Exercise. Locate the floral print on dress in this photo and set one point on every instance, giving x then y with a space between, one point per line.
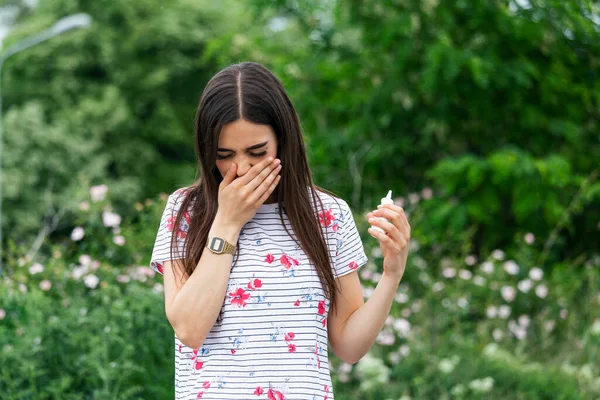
238 297
184 225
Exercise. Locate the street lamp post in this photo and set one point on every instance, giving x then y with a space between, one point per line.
65 24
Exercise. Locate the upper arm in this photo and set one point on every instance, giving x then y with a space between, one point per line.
349 299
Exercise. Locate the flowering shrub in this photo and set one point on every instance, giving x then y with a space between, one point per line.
85 319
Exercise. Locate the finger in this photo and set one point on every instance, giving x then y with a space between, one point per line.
264 186
270 190
398 219
399 210
254 171
384 240
391 230
229 176
264 174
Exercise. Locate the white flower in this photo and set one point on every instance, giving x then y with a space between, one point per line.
511 267
85 259
402 326
122 278
524 321
386 337
498 255
36 269
595 329
563 313
498 335
401 298
541 291
504 311
438 286
2 314
508 293
479 280
45 285
98 192
487 267
79 271
447 365
407 312
549 325
492 312
110 219
525 285
413 198
77 234
529 238
366 274
520 333
462 303
470 260
91 281
482 385
119 240
84 206
22 288
465 274
399 201
449 272
404 350
536 274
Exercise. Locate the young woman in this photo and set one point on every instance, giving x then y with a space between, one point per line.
260 265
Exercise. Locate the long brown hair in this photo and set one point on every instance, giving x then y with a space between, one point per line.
250 91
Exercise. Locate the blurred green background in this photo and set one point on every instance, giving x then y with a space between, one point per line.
481 116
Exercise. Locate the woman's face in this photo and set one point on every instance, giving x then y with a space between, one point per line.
245 144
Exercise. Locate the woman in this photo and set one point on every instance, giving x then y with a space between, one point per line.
260 265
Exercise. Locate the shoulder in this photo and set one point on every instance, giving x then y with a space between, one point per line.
331 203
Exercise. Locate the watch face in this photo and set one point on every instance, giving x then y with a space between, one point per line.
217 244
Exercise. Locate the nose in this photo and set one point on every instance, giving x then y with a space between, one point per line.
243 166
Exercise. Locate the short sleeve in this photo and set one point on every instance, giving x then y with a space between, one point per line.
350 253
162 245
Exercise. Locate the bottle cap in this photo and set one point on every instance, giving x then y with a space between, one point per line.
388 199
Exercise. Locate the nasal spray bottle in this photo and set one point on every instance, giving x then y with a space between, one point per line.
385 200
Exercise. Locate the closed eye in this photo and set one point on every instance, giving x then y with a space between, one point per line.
219 157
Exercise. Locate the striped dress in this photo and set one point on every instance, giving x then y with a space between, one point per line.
270 340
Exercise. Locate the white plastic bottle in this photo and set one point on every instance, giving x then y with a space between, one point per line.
385 200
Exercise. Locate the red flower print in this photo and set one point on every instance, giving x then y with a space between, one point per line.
187 218
180 348
269 258
199 365
159 267
324 322
275 395
326 217
239 297
335 227
195 354
326 388
353 265
259 391
255 284
322 307
206 385
297 303
170 223
232 351
291 347
289 336
200 394
288 261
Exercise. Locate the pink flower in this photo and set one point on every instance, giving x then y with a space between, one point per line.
259 391
170 223
159 267
269 259
289 336
335 227
353 265
288 261
326 217
275 395
98 192
45 285
77 234
206 385
239 297
321 307
297 303
199 365
324 322
110 219
291 348
200 394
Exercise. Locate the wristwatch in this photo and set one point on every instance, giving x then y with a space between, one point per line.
220 246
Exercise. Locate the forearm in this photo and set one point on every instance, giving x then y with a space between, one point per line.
196 306
361 329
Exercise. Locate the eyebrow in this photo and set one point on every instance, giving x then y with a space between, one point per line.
256 146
